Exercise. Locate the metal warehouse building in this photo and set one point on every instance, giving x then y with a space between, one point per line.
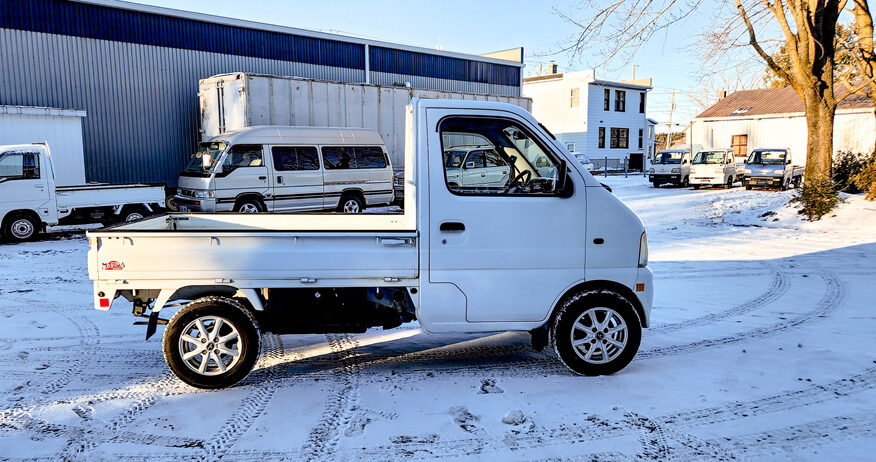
134 70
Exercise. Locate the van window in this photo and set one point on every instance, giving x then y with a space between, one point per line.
20 165
370 157
340 157
295 158
243 155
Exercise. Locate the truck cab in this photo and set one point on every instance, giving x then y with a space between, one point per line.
772 168
715 167
548 251
671 166
282 169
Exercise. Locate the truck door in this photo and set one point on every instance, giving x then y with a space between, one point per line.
297 178
24 182
243 172
511 247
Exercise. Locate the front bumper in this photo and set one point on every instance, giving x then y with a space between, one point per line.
664 177
189 204
765 181
707 180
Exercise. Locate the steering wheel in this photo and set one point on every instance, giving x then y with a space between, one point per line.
518 181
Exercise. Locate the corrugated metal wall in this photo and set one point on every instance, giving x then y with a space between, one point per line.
137 73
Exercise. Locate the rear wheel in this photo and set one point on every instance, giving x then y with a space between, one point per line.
134 213
351 204
748 188
20 227
684 182
729 182
596 333
213 342
696 186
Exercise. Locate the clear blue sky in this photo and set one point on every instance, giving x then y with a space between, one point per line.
475 27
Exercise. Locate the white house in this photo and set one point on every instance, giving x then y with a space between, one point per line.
773 118
600 118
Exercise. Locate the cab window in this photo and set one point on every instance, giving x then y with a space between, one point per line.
19 166
510 159
243 155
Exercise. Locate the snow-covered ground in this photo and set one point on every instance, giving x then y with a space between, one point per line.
763 347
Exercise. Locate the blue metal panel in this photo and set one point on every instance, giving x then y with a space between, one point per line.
105 23
407 62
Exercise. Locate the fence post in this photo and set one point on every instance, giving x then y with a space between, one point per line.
626 167
605 167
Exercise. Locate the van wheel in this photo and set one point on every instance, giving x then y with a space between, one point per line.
351 204
596 333
248 206
20 227
134 213
213 342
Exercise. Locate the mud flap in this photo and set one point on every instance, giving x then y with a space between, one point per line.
539 337
151 324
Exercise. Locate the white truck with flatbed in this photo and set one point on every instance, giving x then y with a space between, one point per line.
772 169
550 251
30 200
715 167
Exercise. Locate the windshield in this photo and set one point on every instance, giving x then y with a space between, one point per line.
709 157
453 159
196 164
767 158
665 157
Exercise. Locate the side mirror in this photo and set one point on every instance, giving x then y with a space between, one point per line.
787 161
469 165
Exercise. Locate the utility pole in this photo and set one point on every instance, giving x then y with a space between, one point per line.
634 72
671 108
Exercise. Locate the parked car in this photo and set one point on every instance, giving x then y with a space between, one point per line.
672 166
771 168
475 165
30 200
715 168
278 169
559 257
584 161
398 188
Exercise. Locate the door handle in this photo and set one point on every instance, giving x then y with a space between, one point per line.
280 179
452 227
263 178
39 186
483 175
394 242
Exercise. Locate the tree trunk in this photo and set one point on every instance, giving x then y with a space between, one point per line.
819 143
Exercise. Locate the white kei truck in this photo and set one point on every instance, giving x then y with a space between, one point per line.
30 200
715 167
672 166
556 255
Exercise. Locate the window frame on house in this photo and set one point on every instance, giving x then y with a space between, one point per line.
575 97
606 99
601 143
642 103
641 135
570 147
620 101
616 141
734 145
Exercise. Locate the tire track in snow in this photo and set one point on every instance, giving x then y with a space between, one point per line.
778 288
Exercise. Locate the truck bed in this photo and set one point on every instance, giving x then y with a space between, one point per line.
100 195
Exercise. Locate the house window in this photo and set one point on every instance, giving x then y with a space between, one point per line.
570 147
620 138
739 143
575 97
620 101
642 103
606 100
601 137
641 133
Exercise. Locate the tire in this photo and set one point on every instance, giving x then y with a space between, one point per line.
611 310
696 186
729 184
351 204
655 184
21 227
798 181
249 206
208 373
748 188
134 213
785 185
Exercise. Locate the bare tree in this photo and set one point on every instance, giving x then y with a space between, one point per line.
806 29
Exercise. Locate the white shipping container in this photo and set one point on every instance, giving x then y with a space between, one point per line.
234 101
61 128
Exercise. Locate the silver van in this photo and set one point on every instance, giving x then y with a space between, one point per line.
282 169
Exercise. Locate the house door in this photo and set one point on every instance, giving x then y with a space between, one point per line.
637 161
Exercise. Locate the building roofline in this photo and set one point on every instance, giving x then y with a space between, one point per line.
173 12
41 111
612 83
778 115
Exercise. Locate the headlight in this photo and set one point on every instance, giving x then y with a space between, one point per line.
651 171
643 250
676 170
747 171
203 194
779 172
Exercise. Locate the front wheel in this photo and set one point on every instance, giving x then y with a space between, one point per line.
213 342
20 227
596 333
248 206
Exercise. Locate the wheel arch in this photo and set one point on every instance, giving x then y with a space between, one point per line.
28 212
607 285
251 195
193 292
